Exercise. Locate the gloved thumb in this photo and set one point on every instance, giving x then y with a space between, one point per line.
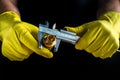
80 31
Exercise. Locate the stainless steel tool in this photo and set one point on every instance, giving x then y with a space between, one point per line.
61 35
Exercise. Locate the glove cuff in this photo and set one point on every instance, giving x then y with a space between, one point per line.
114 18
9 18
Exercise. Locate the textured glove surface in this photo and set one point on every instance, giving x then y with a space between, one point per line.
19 39
100 37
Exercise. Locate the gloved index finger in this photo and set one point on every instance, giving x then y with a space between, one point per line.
79 30
29 41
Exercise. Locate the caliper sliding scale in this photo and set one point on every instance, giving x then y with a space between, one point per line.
61 35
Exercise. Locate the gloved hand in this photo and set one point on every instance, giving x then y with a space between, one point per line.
100 37
19 39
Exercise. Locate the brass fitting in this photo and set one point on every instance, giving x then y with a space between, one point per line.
49 41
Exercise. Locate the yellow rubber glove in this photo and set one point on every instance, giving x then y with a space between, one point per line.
100 37
19 39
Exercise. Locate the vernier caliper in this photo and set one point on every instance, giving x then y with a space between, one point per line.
61 35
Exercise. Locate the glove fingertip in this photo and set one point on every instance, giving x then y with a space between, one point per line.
50 55
68 28
45 53
77 46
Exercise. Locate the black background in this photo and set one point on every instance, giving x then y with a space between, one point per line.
66 12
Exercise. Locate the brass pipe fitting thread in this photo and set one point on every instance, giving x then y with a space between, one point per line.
49 41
